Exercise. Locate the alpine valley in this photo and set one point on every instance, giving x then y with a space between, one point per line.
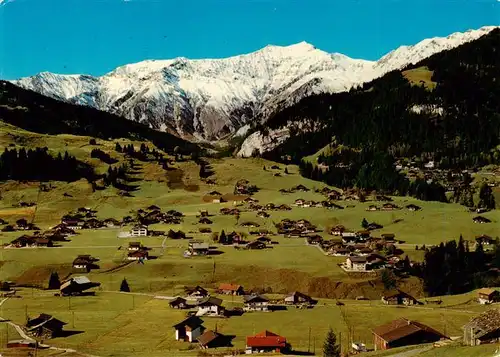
214 99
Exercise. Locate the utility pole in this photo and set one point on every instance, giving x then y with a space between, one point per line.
72 319
309 342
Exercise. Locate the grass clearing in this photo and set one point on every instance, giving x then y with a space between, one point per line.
420 76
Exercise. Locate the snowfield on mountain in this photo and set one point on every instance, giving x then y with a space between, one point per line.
210 99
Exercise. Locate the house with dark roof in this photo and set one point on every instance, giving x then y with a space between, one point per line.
481 219
404 332
487 296
189 329
298 298
178 303
485 240
197 292
412 207
356 263
210 339
84 263
77 286
138 255
210 306
44 326
256 302
483 329
266 342
230 289
398 297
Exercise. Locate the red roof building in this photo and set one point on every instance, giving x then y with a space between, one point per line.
266 341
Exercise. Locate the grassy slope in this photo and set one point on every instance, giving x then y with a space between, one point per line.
419 76
110 317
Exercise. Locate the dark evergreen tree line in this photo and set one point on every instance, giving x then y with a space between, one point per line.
104 157
38 165
452 268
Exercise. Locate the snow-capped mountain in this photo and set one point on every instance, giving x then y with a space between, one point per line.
208 99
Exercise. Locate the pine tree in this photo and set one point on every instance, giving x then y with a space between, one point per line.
286 170
124 286
486 198
330 347
388 279
222 237
364 223
54 282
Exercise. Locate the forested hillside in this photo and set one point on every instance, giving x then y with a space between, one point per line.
444 109
35 112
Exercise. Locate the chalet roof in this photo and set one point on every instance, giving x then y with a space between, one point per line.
134 244
486 291
207 337
209 300
487 322
190 290
400 328
356 259
229 287
199 245
47 321
266 339
138 253
192 321
394 293
178 300
139 226
255 298
301 295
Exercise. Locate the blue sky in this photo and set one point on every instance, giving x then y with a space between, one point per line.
95 36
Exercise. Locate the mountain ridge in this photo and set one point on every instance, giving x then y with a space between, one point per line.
208 99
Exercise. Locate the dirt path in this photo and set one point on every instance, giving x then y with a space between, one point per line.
21 333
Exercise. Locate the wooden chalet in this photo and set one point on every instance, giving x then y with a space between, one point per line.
178 303
43 242
189 329
357 263
389 207
398 297
138 255
256 303
198 247
266 342
139 231
412 207
44 326
205 220
485 240
403 332
298 298
487 296
231 289
210 306
483 329
23 241
337 230
255 244
210 339
481 219
197 292
84 263
77 286
134 246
